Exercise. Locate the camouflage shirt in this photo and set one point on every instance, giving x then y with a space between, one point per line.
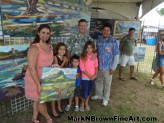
76 43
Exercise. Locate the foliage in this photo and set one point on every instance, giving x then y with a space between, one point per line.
161 11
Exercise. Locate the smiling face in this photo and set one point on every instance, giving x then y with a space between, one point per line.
82 28
44 34
89 49
62 51
75 63
131 33
106 32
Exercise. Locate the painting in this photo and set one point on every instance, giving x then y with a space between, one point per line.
139 53
13 65
21 18
96 26
57 83
121 28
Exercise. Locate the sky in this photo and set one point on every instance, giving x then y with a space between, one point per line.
153 18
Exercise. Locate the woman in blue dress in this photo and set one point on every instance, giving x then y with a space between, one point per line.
161 61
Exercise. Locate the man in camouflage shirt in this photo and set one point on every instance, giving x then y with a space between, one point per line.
127 44
75 44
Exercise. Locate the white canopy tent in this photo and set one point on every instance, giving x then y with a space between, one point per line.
122 9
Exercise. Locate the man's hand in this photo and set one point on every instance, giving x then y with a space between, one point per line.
111 72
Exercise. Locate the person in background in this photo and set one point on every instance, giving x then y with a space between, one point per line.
75 64
108 57
89 68
160 49
61 60
39 55
127 44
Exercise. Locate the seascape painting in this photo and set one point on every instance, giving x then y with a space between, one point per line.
13 65
121 28
21 18
57 83
139 53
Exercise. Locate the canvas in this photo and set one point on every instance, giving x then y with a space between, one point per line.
121 28
13 65
139 53
57 83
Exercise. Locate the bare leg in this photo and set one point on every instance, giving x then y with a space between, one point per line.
70 101
43 111
120 71
59 106
76 101
162 74
54 109
156 74
87 100
131 71
35 110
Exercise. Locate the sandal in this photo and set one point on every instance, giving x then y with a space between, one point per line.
87 108
49 120
81 108
36 121
133 78
122 79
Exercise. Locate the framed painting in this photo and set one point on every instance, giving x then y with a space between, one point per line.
139 53
57 83
121 28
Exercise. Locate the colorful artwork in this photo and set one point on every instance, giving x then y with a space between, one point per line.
121 28
57 83
22 17
96 26
139 53
13 65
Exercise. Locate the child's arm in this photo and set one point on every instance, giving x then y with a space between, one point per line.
64 61
55 62
82 68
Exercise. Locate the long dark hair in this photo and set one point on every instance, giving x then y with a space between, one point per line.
37 38
57 47
84 53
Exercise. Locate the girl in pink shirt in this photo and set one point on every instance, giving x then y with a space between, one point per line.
89 68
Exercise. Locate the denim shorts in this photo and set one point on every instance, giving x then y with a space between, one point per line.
86 86
77 92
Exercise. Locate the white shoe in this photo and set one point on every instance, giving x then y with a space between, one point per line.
96 97
152 83
105 102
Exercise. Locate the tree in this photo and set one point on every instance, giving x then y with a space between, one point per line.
161 11
31 7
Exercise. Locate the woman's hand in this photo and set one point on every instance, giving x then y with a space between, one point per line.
39 87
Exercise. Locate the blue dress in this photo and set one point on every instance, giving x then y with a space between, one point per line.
161 57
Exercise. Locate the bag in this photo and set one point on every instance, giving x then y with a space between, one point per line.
155 63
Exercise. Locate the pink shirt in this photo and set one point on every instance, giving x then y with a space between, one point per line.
89 65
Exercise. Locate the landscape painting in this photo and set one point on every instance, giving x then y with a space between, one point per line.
96 26
13 65
139 53
57 83
121 28
21 18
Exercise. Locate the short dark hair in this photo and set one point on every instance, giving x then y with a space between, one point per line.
107 25
81 20
75 57
130 29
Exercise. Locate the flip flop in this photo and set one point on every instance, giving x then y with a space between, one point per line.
133 78
122 79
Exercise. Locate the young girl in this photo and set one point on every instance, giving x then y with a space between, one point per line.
61 60
89 68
